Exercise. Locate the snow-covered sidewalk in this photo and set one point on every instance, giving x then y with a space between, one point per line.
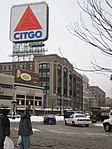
37 119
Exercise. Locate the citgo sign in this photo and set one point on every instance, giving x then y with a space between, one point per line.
29 22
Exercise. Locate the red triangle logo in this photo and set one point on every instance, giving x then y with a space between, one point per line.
28 21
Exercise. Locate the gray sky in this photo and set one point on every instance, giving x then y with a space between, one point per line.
61 13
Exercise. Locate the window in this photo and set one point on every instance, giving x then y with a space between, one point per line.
44 66
22 102
58 102
36 97
6 86
4 68
6 97
20 96
48 74
35 103
24 66
30 66
31 102
29 97
40 66
44 74
44 83
40 103
20 66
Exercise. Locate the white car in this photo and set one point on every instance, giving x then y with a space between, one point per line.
107 123
78 119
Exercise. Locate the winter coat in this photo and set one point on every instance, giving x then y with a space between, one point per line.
25 126
4 126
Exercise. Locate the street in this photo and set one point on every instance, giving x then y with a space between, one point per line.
60 136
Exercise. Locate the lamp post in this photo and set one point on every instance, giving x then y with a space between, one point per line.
14 103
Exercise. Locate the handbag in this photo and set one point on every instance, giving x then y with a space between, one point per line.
19 142
8 143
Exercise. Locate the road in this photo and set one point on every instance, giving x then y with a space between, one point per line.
60 136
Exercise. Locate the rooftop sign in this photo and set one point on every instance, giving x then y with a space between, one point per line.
29 22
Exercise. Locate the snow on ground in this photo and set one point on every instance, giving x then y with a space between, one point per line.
58 118
100 124
37 119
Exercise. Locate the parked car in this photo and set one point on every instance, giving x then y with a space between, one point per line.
70 112
78 119
49 119
107 123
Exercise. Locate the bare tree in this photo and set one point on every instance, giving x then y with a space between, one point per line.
99 31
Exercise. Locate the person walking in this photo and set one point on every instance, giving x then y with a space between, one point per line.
4 127
25 129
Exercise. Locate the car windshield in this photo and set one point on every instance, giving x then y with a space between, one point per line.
81 115
49 116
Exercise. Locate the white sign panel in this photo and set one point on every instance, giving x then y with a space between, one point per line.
29 22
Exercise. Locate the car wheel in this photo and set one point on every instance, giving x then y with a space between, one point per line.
87 125
73 123
66 123
107 127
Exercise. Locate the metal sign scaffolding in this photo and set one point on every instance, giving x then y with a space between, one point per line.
26 51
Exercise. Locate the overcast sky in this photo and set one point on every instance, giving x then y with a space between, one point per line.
61 13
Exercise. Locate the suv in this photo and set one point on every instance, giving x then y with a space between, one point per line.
107 124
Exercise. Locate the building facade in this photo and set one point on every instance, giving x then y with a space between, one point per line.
29 96
97 97
63 85
108 102
21 94
6 90
86 106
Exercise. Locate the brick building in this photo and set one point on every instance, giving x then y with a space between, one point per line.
97 97
63 85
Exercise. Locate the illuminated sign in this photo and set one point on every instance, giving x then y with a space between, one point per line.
29 22
26 77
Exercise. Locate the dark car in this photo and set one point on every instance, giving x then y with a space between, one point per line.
49 119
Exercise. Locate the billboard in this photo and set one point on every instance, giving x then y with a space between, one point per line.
26 77
29 22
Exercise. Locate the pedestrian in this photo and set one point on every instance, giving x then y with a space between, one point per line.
4 126
25 129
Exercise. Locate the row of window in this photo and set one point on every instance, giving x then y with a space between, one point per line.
29 102
65 102
6 86
44 66
22 66
44 74
28 97
6 97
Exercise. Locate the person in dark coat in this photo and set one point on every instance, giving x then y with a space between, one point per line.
4 127
25 129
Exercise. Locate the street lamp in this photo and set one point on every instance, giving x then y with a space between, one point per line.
14 103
